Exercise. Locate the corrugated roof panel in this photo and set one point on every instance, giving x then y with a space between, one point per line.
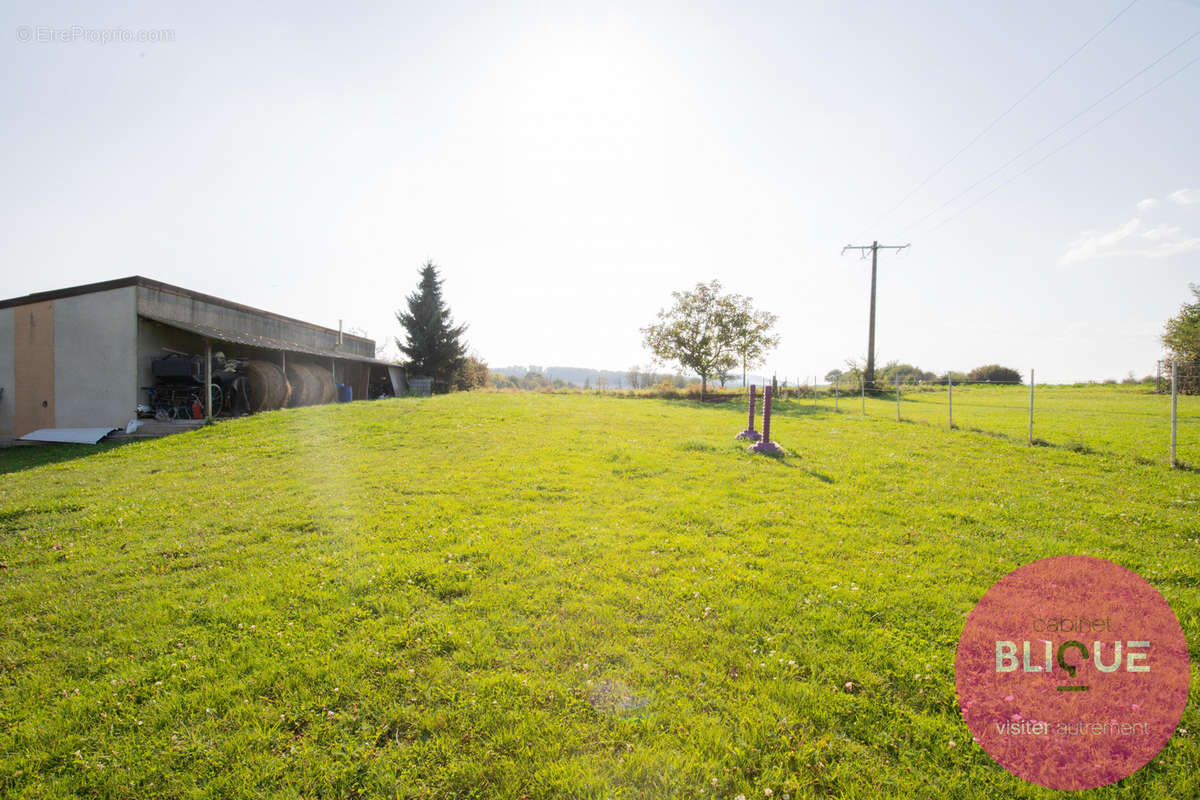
239 337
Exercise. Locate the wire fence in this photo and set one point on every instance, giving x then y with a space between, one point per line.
1147 422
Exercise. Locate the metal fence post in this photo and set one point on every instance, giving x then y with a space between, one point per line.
862 385
1174 407
897 401
950 397
835 395
1031 408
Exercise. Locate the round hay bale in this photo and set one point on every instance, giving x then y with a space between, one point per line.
311 384
268 386
328 387
301 381
316 385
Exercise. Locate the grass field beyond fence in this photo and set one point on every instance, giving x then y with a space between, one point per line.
543 596
1131 421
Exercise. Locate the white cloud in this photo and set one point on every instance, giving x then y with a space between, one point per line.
1185 197
1132 239
1147 204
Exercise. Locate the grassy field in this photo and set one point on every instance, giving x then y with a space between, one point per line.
1131 421
519 595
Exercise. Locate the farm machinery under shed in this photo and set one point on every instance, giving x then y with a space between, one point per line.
239 386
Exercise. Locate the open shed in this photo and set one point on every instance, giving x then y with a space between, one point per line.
89 356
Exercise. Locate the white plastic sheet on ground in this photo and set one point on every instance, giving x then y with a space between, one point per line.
68 435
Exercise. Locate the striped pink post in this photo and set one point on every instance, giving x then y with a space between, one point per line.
750 433
766 445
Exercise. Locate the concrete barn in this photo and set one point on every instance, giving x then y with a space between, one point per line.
83 357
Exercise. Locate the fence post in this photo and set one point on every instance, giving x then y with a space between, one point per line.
897 400
814 391
950 395
862 385
1174 407
1031 408
835 395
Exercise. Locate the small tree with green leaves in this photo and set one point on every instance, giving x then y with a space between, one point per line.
1181 335
752 331
694 333
473 374
433 343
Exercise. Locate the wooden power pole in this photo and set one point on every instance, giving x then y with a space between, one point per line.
874 247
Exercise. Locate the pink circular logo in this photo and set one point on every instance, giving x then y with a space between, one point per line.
1072 672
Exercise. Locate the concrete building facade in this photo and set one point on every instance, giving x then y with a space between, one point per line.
82 357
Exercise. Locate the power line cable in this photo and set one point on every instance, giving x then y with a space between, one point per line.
1036 144
1065 144
1006 112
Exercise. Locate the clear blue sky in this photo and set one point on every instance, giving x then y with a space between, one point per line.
570 164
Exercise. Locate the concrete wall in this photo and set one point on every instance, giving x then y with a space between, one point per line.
172 307
95 359
7 377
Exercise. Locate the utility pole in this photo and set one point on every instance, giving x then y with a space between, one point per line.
874 247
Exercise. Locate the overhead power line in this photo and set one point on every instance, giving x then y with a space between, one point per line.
1005 113
1036 144
1066 144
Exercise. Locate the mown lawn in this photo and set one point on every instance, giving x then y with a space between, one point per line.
1131 421
517 595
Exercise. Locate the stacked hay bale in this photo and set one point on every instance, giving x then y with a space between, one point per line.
311 384
269 388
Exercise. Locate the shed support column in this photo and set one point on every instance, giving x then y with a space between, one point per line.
208 415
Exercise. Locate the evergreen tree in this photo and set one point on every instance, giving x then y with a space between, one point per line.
434 348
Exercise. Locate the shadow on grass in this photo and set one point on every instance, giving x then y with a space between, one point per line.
799 410
1073 446
789 459
20 457
787 408
802 408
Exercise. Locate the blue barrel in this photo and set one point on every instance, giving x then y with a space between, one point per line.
345 393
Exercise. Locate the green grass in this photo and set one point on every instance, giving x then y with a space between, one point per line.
514 595
24 456
1130 421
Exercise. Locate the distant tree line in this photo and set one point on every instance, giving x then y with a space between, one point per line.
641 378
530 382
895 372
635 378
